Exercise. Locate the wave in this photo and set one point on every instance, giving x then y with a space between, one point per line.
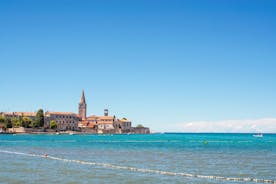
133 169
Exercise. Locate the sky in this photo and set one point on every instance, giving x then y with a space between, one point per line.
173 66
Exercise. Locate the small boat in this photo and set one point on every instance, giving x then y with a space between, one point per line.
258 135
71 133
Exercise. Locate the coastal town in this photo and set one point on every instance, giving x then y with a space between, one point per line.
67 122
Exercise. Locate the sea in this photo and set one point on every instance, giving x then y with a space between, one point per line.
153 158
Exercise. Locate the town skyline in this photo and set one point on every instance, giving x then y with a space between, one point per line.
63 122
179 66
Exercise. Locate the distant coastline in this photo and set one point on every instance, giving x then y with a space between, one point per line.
60 122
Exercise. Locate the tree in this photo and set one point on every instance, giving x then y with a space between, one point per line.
2 119
3 122
16 122
139 126
34 124
39 119
26 122
53 124
8 123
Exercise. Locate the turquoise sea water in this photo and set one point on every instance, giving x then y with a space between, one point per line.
156 158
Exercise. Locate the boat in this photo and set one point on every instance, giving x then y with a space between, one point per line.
258 135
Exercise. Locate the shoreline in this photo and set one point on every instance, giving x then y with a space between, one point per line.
65 133
154 133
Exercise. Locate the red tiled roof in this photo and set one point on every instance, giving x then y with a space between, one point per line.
20 113
91 125
105 117
87 124
104 122
62 113
94 117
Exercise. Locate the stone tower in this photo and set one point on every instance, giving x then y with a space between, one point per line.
106 112
82 107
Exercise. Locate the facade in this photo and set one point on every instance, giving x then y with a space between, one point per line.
99 122
65 120
105 122
122 126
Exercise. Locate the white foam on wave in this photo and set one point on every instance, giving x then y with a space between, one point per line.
133 169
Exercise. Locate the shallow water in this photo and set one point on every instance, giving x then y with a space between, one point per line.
184 158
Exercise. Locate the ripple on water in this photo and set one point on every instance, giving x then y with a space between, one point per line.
239 158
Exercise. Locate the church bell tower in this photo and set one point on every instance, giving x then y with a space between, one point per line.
82 107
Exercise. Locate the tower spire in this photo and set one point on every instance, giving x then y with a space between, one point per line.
82 100
82 107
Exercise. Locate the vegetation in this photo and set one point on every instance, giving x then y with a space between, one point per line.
53 124
2 119
8 123
3 122
16 122
139 126
124 119
26 122
39 119
34 124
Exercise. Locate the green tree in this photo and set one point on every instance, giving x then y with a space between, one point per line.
16 122
8 123
3 122
26 122
2 119
34 124
139 126
53 124
39 119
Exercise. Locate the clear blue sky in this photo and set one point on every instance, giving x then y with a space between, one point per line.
159 62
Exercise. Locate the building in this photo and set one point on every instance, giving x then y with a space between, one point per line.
105 123
80 122
141 130
82 107
31 115
65 120
122 126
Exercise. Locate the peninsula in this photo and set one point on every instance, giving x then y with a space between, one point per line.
67 122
